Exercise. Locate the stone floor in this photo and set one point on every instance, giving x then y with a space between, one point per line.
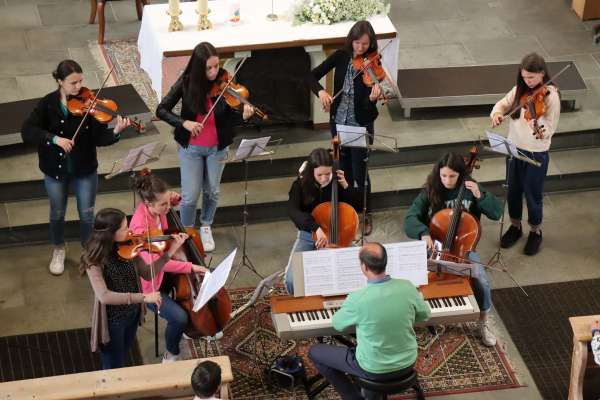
37 34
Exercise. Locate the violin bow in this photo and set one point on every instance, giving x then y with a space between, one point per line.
92 104
223 91
536 91
362 69
152 274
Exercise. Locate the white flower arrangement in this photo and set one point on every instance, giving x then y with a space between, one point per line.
331 11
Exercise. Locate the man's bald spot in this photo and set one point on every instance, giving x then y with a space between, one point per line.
373 248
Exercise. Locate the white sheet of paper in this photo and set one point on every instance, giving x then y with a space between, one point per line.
352 136
497 143
145 152
245 149
337 271
408 260
214 281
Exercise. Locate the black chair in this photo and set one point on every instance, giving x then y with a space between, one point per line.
374 390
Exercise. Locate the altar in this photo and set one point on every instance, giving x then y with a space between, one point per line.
164 54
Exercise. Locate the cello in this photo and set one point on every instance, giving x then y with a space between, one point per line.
457 230
337 219
213 317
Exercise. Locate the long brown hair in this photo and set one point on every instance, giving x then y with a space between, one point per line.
359 29
434 187
195 84
532 62
317 158
100 246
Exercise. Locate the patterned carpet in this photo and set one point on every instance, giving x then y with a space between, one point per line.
464 365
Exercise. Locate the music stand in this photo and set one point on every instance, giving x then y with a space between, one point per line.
501 145
250 148
356 136
136 157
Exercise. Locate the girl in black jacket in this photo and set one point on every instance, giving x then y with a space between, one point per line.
63 160
312 188
202 147
355 106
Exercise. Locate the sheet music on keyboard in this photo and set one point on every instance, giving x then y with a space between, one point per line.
337 271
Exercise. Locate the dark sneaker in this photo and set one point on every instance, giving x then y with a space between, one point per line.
510 237
533 243
368 224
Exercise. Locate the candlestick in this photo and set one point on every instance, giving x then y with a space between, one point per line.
174 12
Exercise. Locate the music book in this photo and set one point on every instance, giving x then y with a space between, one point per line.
333 272
214 281
251 148
352 136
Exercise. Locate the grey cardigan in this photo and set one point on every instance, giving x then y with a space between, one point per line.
104 296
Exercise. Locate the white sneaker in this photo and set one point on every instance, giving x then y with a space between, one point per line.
487 336
57 265
169 358
207 239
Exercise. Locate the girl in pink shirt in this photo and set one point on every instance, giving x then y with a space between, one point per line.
151 214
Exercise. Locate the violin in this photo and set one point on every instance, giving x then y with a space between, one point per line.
103 110
535 107
153 241
235 94
370 63
337 219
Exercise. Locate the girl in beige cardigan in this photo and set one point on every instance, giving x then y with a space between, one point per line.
118 304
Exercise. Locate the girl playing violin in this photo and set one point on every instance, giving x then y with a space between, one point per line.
356 106
202 147
440 191
63 161
523 178
311 188
151 214
118 300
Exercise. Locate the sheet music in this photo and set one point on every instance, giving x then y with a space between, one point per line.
214 281
137 156
245 149
497 144
337 271
408 260
352 136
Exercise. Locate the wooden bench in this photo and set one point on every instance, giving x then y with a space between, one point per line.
474 85
13 114
582 335
152 381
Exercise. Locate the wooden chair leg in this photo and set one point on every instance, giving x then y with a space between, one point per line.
93 9
101 23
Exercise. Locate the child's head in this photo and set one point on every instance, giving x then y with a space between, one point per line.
110 226
153 191
206 379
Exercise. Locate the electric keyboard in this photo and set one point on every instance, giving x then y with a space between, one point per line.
301 317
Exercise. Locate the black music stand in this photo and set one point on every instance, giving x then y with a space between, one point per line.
353 136
250 148
500 144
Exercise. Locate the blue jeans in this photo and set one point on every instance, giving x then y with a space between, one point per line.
201 171
85 188
177 321
122 333
480 283
335 362
527 180
303 242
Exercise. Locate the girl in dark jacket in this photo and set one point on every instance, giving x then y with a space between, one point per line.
202 146
65 161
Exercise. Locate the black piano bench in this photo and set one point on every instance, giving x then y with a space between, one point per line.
374 390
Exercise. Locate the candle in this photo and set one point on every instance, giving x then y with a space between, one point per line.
174 7
202 6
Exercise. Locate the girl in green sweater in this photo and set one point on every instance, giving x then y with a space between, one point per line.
440 191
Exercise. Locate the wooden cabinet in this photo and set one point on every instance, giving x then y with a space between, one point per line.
586 9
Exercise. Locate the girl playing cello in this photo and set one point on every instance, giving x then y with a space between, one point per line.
151 214
356 106
311 188
440 191
523 178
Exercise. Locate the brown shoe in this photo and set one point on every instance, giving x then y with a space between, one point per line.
368 224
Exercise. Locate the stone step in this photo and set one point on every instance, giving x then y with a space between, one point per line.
397 186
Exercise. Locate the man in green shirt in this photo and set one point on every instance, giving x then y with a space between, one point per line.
383 313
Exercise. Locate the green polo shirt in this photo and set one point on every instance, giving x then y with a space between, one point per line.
384 313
